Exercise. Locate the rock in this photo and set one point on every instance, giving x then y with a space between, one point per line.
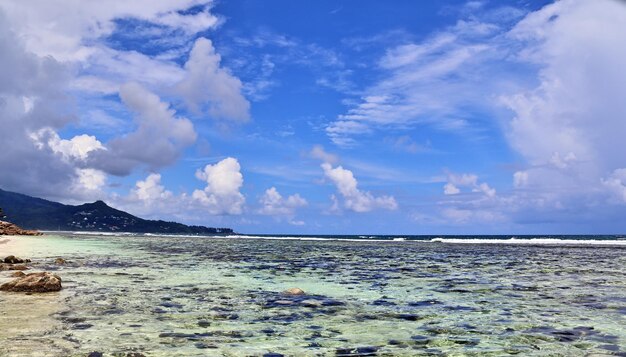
34 283
18 274
294 291
311 303
204 323
12 259
11 229
95 354
60 261
18 267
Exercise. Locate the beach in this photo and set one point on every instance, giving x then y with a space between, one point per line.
195 296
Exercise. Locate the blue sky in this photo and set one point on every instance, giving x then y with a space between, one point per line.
356 117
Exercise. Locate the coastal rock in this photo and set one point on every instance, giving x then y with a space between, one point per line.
10 229
60 261
18 267
12 259
34 282
18 274
294 291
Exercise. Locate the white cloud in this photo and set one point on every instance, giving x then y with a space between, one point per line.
151 190
570 127
421 85
467 180
319 153
77 148
190 23
450 189
616 184
355 199
209 86
90 179
48 54
520 179
221 195
31 93
48 28
274 204
108 69
158 141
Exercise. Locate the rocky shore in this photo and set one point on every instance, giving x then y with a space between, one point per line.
39 282
10 229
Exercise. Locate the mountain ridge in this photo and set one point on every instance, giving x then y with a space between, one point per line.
37 213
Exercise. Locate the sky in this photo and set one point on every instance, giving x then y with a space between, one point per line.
322 117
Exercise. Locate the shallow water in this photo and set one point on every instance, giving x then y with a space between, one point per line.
165 296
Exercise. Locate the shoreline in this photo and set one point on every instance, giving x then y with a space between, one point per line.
158 295
538 240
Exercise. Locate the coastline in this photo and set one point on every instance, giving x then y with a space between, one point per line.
160 295
27 315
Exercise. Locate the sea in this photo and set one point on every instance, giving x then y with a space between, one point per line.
367 295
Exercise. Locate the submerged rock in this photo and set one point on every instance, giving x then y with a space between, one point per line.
34 282
294 291
60 261
358 351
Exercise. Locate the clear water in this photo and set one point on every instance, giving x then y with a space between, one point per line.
177 296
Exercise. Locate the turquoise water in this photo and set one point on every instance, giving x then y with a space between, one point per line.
177 296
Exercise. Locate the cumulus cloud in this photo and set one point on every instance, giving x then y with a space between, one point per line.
48 54
87 183
274 204
467 180
150 189
616 183
570 127
207 85
90 179
31 98
77 148
158 140
355 199
221 194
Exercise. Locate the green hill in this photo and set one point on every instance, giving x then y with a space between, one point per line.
36 213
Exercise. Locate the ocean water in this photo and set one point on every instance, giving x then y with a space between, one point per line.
366 296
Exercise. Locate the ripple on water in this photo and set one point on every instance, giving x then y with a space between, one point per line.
196 297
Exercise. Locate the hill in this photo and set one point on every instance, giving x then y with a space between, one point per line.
36 213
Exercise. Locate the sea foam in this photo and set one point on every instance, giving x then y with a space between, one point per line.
531 241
